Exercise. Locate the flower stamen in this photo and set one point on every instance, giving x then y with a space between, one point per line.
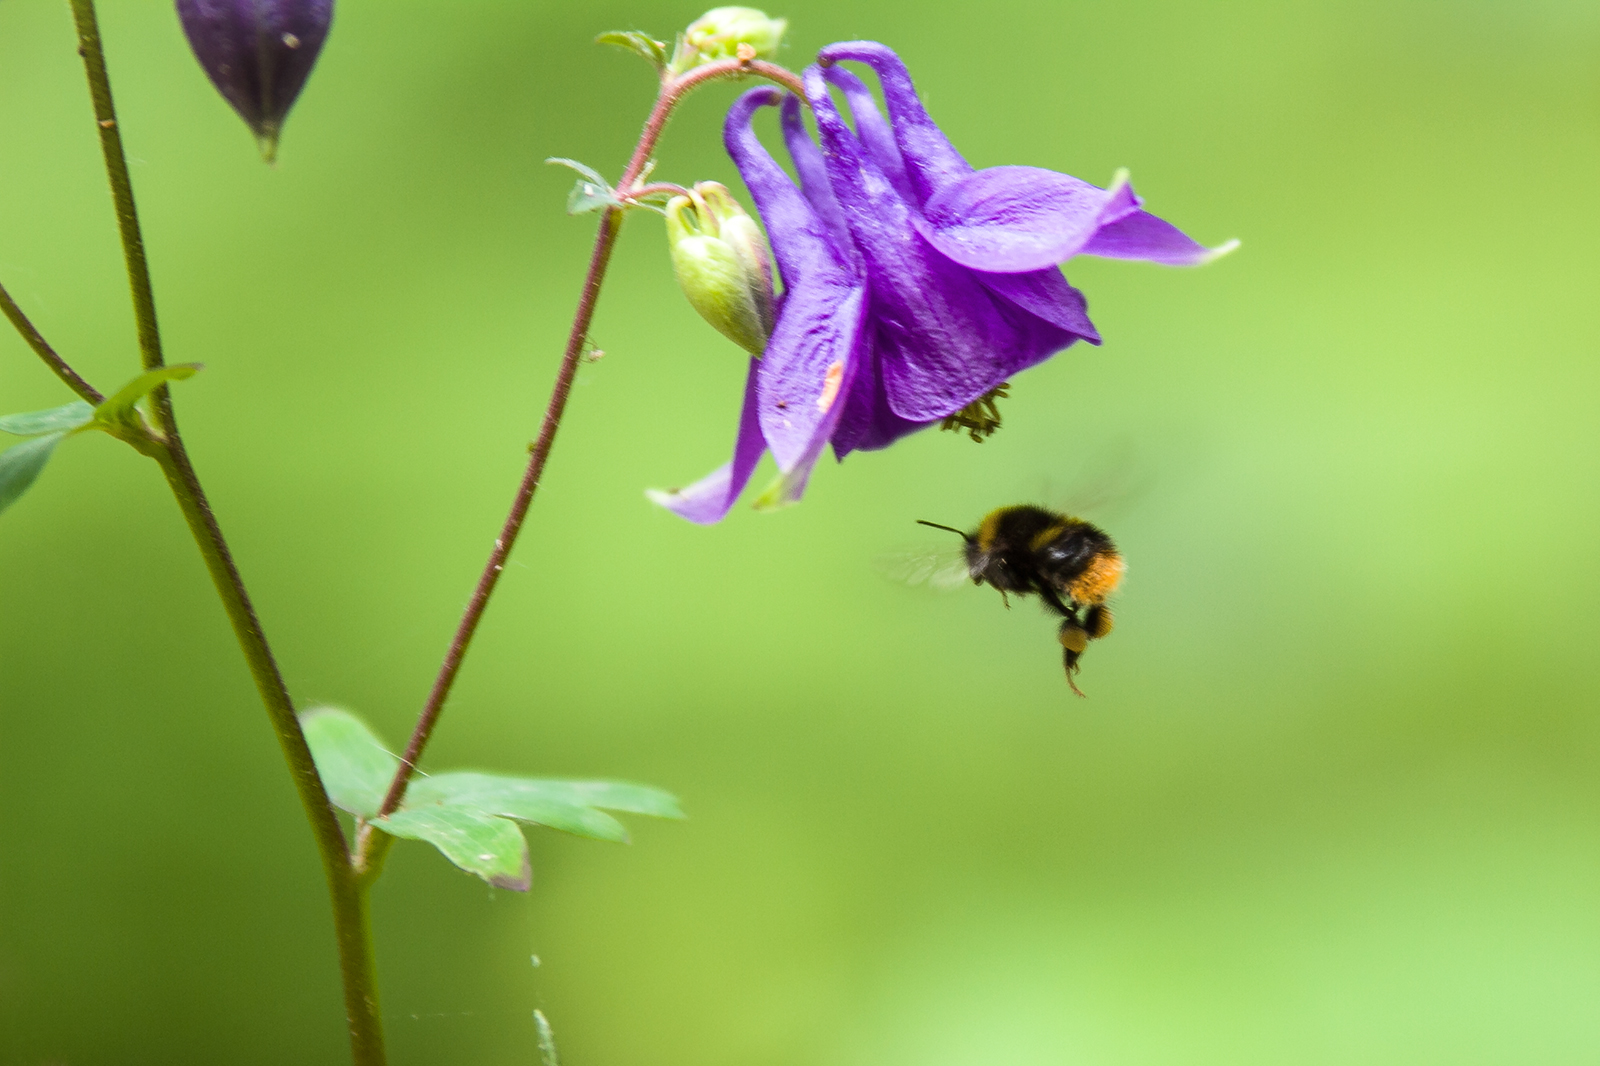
981 417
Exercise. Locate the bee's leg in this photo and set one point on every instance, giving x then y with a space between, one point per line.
1097 621
1074 638
1005 599
1053 601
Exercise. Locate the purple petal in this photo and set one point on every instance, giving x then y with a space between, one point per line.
1036 337
708 500
1015 219
813 173
871 130
800 240
1142 235
840 384
867 423
807 368
812 345
931 161
1046 294
258 53
941 338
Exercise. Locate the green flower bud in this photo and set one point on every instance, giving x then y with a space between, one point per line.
722 264
722 31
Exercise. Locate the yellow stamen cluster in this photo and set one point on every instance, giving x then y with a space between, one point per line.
981 417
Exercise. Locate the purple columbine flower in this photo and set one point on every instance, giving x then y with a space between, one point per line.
916 286
944 334
258 53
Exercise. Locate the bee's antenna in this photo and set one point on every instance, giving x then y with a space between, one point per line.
952 529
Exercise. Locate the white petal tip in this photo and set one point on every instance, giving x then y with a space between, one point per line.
1218 252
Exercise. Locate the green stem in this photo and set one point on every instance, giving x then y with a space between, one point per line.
347 895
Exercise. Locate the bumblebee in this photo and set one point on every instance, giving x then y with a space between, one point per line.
1068 563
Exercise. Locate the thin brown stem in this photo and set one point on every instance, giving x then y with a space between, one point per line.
538 453
345 890
42 348
672 91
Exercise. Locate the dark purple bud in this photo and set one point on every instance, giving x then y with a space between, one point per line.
258 53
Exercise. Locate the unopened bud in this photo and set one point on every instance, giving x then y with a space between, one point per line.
721 33
721 260
258 54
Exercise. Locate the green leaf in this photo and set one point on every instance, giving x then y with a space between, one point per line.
593 193
493 848
638 43
119 404
69 416
611 795
586 197
553 802
521 798
582 168
355 767
20 465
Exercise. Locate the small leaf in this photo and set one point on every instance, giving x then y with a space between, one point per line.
355 767
587 171
117 406
69 416
493 848
513 797
586 196
594 193
20 465
638 43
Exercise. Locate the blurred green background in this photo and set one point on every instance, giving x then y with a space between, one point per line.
1334 797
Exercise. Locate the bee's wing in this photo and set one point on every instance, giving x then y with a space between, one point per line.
939 568
1104 485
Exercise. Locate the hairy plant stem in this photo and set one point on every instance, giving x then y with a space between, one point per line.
347 892
371 845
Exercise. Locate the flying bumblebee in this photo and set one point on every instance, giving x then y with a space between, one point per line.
1070 564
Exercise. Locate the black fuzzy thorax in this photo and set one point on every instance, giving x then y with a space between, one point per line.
1027 549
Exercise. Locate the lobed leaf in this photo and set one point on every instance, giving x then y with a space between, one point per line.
20 465
639 44
356 768
117 406
513 797
32 423
482 844
470 817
